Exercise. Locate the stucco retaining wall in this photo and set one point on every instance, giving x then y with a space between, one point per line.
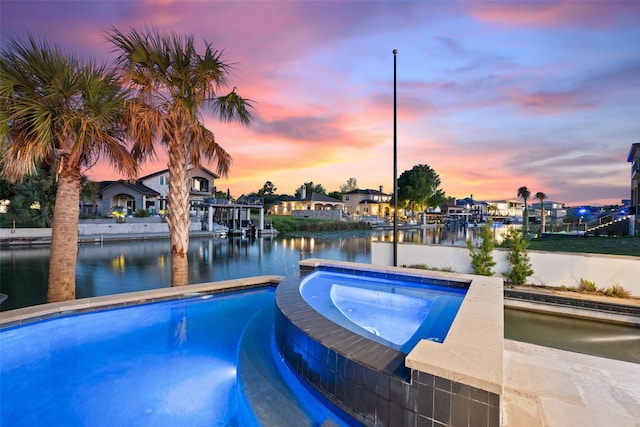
93 229
25 233
550 268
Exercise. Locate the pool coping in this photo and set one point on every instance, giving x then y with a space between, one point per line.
473 350
36 313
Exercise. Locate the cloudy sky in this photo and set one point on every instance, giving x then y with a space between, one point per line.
492 95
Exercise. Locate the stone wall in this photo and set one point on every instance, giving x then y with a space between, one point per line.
318 214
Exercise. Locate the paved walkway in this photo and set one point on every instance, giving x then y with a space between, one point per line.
554 388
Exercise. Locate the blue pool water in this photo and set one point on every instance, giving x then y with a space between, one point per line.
389 310
174 363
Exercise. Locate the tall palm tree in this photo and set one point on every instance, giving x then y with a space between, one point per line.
541 196
173 85
59 111
525 194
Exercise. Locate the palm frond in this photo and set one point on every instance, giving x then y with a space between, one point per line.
232 107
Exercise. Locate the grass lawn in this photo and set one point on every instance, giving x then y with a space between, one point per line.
596 245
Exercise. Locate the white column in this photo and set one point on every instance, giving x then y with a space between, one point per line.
261 224
235 218
210 219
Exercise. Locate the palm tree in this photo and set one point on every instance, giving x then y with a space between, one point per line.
58 111
525 194
174 83
541 196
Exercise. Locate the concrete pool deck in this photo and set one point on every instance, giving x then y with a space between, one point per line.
555 388
542 386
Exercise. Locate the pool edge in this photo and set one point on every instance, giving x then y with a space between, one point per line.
41 312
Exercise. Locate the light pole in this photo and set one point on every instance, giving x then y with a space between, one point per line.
395 167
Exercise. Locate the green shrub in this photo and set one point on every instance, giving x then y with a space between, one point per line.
141 213
587 286
288 224
517 257
482 258
617 291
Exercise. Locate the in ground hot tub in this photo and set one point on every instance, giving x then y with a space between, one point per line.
395 310
387 345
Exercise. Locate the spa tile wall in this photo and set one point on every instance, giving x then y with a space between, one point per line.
377 398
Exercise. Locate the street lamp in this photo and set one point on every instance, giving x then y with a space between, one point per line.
395 167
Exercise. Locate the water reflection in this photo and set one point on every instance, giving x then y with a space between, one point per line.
114 267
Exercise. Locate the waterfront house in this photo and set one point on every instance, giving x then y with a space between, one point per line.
150 192
506 208
553 211
455 211
314 205
128 195
476 209
367 203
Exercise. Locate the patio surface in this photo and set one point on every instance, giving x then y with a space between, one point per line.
556 388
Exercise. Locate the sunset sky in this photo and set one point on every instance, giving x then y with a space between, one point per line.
492 95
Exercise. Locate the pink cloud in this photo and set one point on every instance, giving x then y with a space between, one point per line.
548 103
556 13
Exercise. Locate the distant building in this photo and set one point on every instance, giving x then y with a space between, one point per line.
552 210
315 205
129 195
476 208
634 159
506 208
150 192
367 203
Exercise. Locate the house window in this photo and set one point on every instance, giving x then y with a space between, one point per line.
199 184
164 180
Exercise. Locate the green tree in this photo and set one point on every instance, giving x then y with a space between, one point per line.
350 185
418 188
524 193
517 257
335 195
174 84
222 195
268 189
268 193
89 192
543 218
57 110
35 199
482 257
311 188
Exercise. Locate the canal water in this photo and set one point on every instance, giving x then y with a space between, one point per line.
116 267
126 266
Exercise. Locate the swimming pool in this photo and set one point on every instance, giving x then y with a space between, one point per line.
394 310
180 362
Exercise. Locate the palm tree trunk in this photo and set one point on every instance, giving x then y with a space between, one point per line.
178 217
64 238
